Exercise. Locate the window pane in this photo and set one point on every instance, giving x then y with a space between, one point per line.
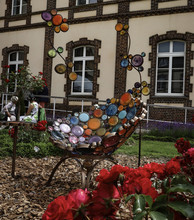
177 74
178 62
89 65
12 68
78 65
89 51
13 56
177 87
163 62
76 86
88 86
16 10
24 9
89 75
81 2
21 56
162 87
164 47
79 52
162 74
178 46
16 3
93 1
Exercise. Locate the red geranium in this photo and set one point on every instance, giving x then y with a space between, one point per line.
172 167
41 126
182 145
41 73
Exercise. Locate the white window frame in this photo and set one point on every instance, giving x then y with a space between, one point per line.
87 2
84 58
21 6
16 62
170 55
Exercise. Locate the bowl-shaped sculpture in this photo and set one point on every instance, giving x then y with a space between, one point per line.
102 130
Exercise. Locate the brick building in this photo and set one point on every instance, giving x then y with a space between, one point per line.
163 29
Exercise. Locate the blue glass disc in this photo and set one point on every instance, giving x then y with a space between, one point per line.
74 120
122 114
111 110
124 63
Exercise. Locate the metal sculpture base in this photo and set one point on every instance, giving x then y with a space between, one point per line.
86 163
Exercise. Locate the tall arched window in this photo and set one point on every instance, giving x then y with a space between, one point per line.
15 60
83 59
170 69
19 7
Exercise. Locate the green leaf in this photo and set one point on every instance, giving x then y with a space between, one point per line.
182 188
182 207
178 179
160 201
139 204
157 216
140 216
148 199
129 197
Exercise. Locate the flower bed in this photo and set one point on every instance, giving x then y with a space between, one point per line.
158 191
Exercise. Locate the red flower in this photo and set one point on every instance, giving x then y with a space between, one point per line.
139 186
79 196
182 145
41 73
59 209
112 176
7 80
156 168
105 201
6 66
41 126
172 167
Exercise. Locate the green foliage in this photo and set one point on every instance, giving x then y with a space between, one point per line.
26 148
149 148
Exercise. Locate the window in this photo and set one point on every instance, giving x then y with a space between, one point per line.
170 70
83 58
84 2
19 7
15 60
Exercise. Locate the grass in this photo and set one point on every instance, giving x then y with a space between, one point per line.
149 148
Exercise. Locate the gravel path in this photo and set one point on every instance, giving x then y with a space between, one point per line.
27 197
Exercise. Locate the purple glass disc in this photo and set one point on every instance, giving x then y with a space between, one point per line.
65 128
46 16
77 130
94 138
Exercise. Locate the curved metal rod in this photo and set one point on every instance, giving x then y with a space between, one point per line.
55 169
52 45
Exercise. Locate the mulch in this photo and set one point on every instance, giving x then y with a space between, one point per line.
27 196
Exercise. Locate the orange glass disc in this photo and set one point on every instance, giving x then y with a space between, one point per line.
120 108
88 132
98 113
73 76
129 67
70 64
125 99
64 27
113 120
107 133
126 26
53 11
94 123
57 29
85 126
57 20
122 132
124 120
64 20
122 32
131 103
118 27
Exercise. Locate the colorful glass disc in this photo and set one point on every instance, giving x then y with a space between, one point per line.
64 27
57 20
145 91
60 68
73 76
94 123
125 98
137 60
46 16
52 53
118 27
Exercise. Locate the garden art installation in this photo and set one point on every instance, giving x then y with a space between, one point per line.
154 191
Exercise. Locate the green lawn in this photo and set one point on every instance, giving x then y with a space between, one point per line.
149 148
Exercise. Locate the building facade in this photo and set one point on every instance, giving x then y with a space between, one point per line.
163 29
